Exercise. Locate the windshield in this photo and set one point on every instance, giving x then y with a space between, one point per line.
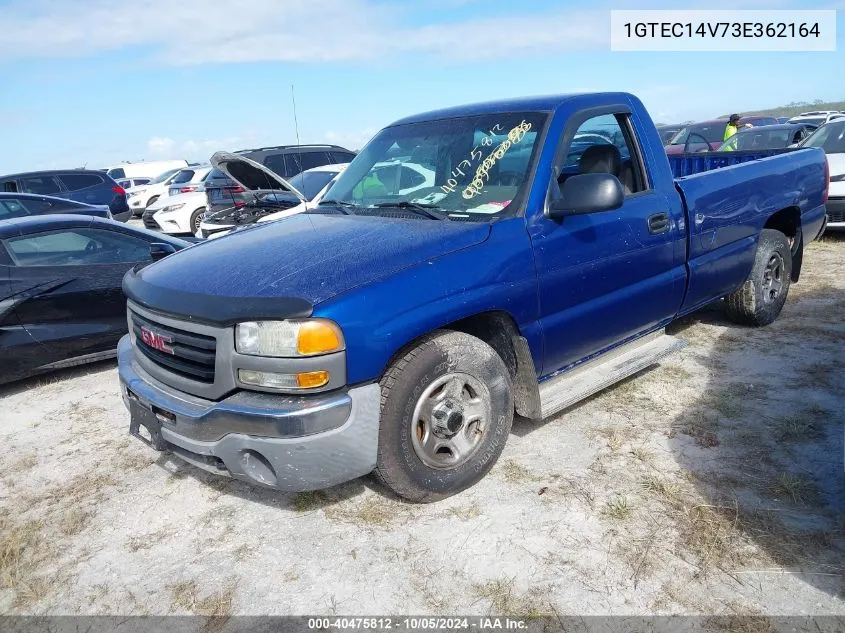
830 137
464 168
162 177
310 183
712 133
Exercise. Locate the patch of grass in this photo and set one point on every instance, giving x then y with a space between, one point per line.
290 576
185 596
674 373
148 541
21 464
819 375
711 533
804 426
730 401
223 514
506 601
373 511
466 513
242 552
663 488
797 488
308 501
515 472
618 509
642 454
615 436
74 521
704 437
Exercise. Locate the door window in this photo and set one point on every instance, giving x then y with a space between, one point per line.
606 144
77 247
44 185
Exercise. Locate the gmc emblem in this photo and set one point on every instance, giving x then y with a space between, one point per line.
156 341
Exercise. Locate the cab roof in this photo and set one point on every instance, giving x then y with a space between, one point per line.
545 103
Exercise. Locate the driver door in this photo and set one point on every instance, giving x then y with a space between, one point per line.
70 280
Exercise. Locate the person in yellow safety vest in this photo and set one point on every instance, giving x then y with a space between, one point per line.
733 125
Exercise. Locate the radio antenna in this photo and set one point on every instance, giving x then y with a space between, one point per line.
296 127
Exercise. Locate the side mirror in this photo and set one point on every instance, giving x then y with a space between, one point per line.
588 193
160 250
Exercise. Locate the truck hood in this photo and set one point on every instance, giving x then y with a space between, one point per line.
250 175
280 269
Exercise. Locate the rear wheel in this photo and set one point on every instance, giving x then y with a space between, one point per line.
196 219
760 299
446 411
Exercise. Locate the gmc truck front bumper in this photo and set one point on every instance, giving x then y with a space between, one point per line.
290 443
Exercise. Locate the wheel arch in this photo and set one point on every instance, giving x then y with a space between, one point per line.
500 331
788 222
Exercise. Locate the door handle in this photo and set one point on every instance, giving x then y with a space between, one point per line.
658 223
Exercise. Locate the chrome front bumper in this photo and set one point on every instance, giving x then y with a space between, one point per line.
292 443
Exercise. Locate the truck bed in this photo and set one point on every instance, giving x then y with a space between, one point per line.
727 206
697 162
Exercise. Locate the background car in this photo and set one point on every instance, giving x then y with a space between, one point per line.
21 205
61 302
284 160
143 196
782 119
82 185
176 215
817 118
766 137
831 138
188 180
312 184
128 183
143 169
708 136
668 131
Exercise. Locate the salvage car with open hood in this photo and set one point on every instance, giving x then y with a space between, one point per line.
268 204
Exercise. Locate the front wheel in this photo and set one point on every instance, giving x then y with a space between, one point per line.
446 411
196 219
760 299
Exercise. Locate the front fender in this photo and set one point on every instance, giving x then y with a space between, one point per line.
381 318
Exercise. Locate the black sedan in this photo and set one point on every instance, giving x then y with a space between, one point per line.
21 205
61 302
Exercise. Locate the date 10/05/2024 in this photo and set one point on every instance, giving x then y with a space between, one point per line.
417 624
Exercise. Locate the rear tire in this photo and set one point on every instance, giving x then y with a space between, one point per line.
760 299
446 412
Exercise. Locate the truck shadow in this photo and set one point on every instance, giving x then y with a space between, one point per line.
301 502
762 446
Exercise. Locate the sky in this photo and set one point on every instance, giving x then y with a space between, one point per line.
96 82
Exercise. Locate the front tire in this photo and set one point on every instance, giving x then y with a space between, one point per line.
760 299
196 219
446 412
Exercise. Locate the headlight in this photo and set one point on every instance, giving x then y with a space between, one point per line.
288 338
175 207
130 194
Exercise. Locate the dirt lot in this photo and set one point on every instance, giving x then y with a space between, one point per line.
710 484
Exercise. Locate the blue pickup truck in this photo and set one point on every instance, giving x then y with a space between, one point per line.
531 256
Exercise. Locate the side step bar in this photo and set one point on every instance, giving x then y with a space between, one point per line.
582 381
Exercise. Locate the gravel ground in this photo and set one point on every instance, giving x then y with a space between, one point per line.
711 484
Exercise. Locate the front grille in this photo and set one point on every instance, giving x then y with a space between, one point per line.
193 354
836 210
149 222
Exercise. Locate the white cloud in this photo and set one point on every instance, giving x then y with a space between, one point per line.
160 145
202 31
